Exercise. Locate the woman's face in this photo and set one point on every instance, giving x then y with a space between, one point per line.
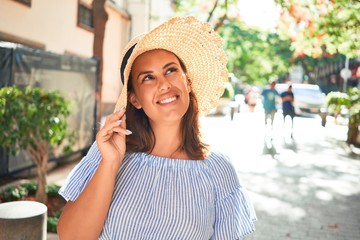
160 86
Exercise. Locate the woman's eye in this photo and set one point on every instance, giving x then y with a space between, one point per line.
148 78
171 70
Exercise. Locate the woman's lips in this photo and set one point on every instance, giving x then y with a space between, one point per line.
168 100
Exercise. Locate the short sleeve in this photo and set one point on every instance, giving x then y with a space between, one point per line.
81 174
235 216
234 212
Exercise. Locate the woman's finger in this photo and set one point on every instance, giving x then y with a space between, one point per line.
115 116
110 128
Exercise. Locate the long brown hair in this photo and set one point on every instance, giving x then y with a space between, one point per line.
143 138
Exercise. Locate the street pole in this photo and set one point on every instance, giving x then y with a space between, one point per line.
346 76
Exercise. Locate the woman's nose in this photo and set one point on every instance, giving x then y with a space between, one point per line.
164 84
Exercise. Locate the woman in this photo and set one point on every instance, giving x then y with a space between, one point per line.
149 175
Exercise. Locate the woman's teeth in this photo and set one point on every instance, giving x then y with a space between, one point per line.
168 100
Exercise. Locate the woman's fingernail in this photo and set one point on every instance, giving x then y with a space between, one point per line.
119 121
128 132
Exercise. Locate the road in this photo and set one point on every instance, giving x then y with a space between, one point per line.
305 187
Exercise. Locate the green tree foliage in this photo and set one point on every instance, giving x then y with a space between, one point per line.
351 101
321 27
33 119
255 56
215 12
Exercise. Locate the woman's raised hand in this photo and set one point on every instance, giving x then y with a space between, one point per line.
111 138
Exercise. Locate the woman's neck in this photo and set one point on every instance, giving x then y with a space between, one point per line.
168 141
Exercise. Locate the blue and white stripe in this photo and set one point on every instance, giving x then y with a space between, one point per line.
162 198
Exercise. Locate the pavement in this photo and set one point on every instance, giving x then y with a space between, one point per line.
305 187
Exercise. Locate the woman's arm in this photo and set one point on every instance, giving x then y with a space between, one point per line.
84 218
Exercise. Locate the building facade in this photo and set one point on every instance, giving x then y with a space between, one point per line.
65 27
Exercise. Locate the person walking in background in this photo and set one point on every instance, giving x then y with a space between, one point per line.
287 99
329 85
269 96
252 97
149 175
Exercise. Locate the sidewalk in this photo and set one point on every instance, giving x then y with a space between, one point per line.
311 191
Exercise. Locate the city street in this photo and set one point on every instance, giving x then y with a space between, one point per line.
305 187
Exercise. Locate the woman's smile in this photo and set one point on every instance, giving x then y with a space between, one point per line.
168 100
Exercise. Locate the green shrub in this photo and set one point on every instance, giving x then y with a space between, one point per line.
21 191
52 190
52 224
31 187
14 193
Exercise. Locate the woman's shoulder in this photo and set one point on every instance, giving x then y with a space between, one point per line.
219 159
223 173
220 165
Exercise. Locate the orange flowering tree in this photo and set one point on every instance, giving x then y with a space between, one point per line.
319 28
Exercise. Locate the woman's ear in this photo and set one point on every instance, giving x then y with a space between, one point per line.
134 101
188 83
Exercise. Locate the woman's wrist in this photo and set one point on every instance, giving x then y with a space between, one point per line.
111 166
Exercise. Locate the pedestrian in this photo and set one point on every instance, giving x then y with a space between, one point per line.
149 175
269 97
251 98
287 98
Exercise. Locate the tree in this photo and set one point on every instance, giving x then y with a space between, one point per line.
34 120
255 56
100 18
322 27
215 12
351 101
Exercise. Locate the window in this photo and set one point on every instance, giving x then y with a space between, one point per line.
25 2
85 17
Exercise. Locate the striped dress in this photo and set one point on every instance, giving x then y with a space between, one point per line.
162 198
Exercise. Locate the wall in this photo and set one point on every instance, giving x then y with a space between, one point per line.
52 25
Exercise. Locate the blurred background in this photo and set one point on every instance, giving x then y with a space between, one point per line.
292 172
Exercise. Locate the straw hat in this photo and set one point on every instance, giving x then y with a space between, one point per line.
196 44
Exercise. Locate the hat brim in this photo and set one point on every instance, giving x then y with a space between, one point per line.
200 49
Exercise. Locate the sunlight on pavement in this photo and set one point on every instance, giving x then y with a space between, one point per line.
277 207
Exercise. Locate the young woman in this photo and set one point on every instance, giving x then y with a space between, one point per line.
149 175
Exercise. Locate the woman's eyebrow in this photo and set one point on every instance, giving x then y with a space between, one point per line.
149 71
143 72
168 64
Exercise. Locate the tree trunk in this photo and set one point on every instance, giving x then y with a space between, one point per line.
100 18
41 195
40 156
353 130
222 19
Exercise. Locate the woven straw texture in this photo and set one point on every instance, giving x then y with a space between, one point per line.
197 46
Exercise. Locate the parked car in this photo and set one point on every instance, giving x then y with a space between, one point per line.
308 99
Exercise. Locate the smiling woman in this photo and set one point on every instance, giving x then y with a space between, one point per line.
150 175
